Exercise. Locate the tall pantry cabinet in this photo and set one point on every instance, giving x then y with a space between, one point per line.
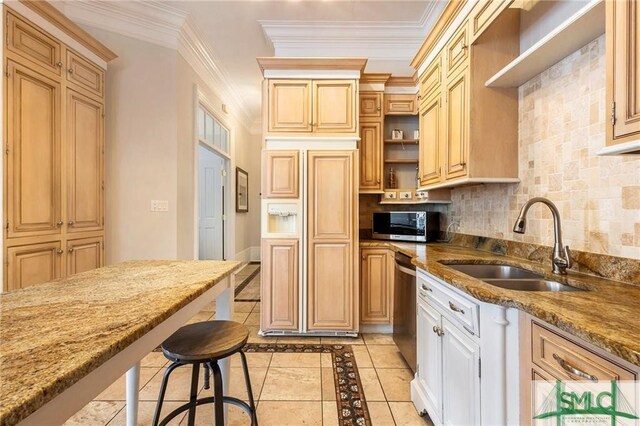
310 196
54 149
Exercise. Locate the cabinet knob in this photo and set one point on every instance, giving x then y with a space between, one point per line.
71 250
435 329
60 223
70 223
59 251
364 257
70 70
59 64
378 109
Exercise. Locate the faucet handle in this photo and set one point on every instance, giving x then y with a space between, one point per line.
567 256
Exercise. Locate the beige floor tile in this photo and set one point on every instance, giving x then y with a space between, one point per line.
328 385
304 340
371 385
240 317
363 360
289 413
326 360
292 384
145 413
243 306
378 339
396 383
204 416
254 337
380 414
117 392
256 308
154 359
386 356
237 386
404 413
178 388
342 340
329 413
95 413
254 360
209 307
295 360
253 319
201 316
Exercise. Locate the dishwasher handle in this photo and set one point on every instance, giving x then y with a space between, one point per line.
406 270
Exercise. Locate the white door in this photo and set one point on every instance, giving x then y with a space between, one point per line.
461 369
430 359
211 201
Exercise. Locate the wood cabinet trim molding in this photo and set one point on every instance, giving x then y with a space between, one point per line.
286 63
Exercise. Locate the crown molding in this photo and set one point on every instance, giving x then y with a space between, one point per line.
375 78
157 23
298 63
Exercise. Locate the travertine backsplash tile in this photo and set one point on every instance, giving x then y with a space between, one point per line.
562 127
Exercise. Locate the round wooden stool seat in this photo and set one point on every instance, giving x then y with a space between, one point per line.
207 340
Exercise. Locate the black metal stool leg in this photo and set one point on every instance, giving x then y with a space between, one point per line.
195 375
206 375
163 390
247 381
218 393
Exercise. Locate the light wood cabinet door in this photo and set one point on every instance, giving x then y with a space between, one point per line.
280 299
84 150
84 254
431 79
334 106
33 200
332 301
395 104
281 174
370 149
457 50
31 43
33 264
376 279
289 106
457 124
623 71
431 133
84 74
483 14
370 105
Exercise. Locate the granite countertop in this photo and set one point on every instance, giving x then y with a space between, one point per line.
607 316
54 334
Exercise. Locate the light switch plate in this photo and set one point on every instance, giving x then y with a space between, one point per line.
159 205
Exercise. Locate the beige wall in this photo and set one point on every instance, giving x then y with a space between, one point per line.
149 155
562 127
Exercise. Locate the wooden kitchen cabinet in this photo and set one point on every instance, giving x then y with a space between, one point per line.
457 119
370 150
33 264
280 287
431 79
376 286
400 104
623 75
332 301
312 106
456 52
281 174
371 105
483 14
84 254
431 140
54 162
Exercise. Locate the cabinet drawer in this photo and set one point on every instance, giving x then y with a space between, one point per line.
85 74
29 42
400 104
457 50
459 308
567 360
431 79
484 13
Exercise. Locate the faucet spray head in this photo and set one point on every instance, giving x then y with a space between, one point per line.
520 226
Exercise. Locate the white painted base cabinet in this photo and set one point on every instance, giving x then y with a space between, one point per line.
467 370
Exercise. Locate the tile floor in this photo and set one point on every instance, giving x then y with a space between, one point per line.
290 389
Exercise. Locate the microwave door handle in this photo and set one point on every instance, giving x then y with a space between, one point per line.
406 270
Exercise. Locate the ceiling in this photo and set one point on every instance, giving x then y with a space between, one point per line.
236 32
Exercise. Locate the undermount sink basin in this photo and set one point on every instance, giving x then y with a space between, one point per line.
511 277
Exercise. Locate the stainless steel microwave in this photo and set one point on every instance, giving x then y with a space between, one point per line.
419 227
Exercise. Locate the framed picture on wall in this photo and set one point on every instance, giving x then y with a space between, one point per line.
242 190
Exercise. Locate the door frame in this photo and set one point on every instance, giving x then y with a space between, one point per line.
229 225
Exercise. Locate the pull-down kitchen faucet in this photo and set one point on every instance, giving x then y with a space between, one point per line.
561 258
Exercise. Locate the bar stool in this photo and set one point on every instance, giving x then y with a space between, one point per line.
205 343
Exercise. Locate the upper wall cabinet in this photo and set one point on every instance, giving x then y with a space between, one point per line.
312 106
280 174
483 14
623 76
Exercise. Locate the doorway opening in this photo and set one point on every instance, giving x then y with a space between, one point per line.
212 178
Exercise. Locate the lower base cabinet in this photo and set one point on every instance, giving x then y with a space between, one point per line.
84 254
376 286
280 284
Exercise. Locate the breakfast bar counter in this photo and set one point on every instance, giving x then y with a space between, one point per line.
63 342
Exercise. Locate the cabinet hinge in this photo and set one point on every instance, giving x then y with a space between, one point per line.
223 172
613 114
224 217
6 31
7 227
6 150
6 71
479 367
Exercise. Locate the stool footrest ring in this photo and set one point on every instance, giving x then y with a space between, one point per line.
209 400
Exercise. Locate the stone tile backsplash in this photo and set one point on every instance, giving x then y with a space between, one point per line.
562 118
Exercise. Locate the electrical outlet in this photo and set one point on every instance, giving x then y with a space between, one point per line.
159 205
405 195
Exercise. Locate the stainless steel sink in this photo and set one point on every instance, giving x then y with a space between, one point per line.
511 277
494 271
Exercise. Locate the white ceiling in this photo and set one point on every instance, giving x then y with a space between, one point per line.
388 32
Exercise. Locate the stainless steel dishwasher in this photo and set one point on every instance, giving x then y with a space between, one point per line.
404 309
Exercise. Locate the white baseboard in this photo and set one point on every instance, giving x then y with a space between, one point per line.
250 254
